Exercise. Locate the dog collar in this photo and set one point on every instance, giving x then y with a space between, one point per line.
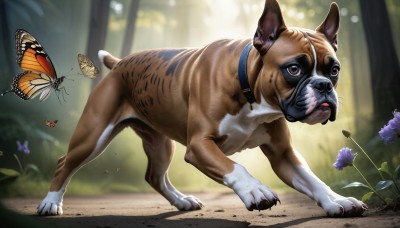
242 74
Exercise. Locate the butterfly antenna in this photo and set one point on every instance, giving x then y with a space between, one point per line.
69 74
70 71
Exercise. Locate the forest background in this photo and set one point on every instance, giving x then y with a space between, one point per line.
369 88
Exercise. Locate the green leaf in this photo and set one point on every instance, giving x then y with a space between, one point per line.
1 153
385 168
356 184
367 196
32 167
10 172
383 185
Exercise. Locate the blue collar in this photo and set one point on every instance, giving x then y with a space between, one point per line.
242 74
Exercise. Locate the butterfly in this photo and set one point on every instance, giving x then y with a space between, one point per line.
39 75
87 67
51 123
23 147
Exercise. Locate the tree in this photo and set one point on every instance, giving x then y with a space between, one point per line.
130 29
97 30
383 60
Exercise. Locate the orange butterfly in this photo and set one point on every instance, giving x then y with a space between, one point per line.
51 123
39 75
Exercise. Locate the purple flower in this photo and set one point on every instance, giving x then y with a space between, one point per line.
391 131
23 147
344 158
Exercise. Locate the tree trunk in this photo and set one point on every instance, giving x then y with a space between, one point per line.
7 44
130 29
357 51
97 31
383 61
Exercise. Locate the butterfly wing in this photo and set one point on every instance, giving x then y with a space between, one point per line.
87 67
28 85
51 124
31 56
45 94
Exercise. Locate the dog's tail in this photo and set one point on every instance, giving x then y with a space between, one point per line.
107 59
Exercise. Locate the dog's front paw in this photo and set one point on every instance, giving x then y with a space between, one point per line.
251 191
51 204
187 203
343 207
258 198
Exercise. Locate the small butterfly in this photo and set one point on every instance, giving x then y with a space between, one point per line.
39 75
87 67
51 123
23 147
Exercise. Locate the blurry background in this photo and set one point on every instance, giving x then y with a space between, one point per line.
369 87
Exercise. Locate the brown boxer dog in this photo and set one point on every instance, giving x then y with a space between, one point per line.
217 100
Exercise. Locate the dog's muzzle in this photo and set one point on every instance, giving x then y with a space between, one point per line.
314 100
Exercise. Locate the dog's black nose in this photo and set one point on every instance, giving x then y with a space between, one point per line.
322 85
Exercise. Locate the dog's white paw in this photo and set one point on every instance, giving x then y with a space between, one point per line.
51 204
187 203
252 192
343 206
259 198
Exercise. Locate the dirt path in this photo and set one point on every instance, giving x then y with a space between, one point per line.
221 210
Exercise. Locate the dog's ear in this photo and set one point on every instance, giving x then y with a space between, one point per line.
270 25
330 25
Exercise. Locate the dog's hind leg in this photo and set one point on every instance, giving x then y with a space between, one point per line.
101 120
159 150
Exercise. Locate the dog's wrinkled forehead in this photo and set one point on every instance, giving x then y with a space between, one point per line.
320 43
314 45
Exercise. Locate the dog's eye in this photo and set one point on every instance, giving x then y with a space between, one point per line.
294 70
335 71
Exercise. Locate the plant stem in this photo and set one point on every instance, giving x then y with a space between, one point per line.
19 163
369 185
365 153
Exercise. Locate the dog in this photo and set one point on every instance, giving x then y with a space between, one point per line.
217 100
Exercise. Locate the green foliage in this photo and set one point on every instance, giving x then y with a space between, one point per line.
28 171
356 184
367 196
381 185
9 172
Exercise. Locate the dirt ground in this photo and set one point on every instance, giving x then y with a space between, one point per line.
151 210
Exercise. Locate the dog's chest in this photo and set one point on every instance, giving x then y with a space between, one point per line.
246 129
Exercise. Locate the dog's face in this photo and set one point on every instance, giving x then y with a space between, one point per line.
305 76
300 70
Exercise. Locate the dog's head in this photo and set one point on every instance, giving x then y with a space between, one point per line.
300 68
